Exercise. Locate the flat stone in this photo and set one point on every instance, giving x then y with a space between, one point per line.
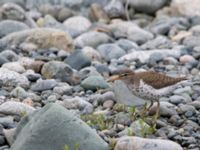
94 83
42 85
91 38
15 108
138 143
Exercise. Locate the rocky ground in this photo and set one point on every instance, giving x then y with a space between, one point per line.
56 56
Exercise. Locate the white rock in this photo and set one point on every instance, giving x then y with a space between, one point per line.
137 143
15 108
144 56
12 78
78 23
14 66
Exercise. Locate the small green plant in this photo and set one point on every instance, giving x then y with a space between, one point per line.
130 132
112 143
100 122
66 147
119 107
132 113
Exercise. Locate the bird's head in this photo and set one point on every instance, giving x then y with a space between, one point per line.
122 75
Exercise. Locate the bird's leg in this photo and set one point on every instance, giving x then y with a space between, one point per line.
143 111
151 104
157 113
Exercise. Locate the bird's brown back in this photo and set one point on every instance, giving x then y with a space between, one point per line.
158 80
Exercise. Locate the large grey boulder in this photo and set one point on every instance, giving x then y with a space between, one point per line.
53 128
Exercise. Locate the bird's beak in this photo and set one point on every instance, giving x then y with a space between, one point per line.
113 78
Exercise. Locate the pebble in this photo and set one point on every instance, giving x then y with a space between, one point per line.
15 108
94 83
14 66
12 78
110 51
57 70
78 60
43 85
79 24
134 143
96 38
108 104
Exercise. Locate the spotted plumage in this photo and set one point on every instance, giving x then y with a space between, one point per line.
149 85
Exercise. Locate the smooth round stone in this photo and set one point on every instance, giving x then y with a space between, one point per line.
9 55
122 118
94 83
115 9
91 53
78 60
138 143
57 70
13 78
186 59
9 26
19 93
63 89
127 45
77 103
14 66
64 14
110 51
108 104
32 76
91 38
170 61
185 108
43 85
147 6
15 108
13 11
186 89
79 24
188 113
176 99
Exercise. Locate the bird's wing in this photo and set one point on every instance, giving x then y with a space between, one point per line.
158 80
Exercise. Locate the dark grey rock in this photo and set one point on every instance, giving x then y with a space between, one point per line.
78 60
9 55
110 51
9 26
147 6
3 60
94 83
57 70
43 85
65 130
127 45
